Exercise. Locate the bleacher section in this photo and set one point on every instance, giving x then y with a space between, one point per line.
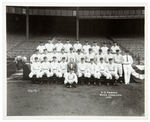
134 45
18 45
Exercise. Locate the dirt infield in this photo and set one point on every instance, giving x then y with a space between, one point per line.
26 99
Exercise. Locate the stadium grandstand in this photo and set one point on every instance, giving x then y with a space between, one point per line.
29 25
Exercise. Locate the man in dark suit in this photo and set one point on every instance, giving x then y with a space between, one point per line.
72 66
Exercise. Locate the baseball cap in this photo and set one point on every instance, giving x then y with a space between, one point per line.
45 57
110 59
117 50
36 58
101 58
71 48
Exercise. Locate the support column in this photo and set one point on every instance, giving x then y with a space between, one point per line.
77 24
27 23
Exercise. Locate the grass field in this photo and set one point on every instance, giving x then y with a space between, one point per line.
27 99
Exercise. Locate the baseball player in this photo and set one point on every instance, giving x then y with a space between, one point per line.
90 55
99 55
103 68
44 54
55 68
112 70
67 46
94 71
104 49
45 69
36 54
63 67
79 55
118 61
86 48
53 54
35 70
82 70
108 56
58 46
62 54
49 46
41 47
95 48
71 55
77 46
71 79
127 67
114 48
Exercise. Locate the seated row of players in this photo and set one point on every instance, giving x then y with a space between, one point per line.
81 70
89 64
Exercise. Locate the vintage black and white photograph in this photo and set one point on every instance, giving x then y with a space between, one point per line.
75 61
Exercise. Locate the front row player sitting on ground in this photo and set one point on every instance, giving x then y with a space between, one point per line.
71 79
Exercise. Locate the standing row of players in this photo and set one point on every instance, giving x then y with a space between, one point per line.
81 61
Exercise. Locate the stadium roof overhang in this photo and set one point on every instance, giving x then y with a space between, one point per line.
81 12
78 13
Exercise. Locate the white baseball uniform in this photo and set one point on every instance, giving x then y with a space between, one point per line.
61 55
42 56
86 48
41 48
49 47
108 56
55 69
63 68
45 69
118 60
79 56
128 70
67 47
96 49
94 70
71 56
104 50
35 69
90 56
70 78
58 47
98 56
82 69
114 48
112 70
77 46
54 55
103 70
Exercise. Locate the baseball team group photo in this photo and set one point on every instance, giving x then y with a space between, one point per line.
75 61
